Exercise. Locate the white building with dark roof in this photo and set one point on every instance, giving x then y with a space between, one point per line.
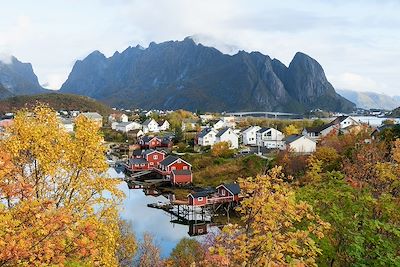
269 138
249 135
127 126
300 144
227 135
150 125
207 137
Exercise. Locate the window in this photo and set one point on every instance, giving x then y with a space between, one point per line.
223 192
142 165
200 199
151 163
155 157
185 167
200 231
173 168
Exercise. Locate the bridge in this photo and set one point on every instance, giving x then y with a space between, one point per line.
264 113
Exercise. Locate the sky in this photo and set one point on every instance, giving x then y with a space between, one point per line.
356 42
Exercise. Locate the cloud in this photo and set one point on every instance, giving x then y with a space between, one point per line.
5 58
359 37
353 81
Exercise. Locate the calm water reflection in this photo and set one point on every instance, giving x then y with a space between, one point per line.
145 219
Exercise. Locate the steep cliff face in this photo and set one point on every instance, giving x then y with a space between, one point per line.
18 78
183 74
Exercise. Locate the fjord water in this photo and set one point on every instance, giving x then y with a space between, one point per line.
145 219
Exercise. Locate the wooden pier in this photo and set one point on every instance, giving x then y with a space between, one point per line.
185 214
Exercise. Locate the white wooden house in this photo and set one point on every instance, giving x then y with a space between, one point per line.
219 125
316 133
249 135
118 117
150 125
163 125
345 121
127 126
269 138
228 135
300 144
207 137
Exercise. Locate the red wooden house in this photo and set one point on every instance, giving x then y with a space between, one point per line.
171 163
229 190
138 164
224 193
180 177
145 159
153 157
198 198
150 142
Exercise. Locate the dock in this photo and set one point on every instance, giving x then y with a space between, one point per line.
184 213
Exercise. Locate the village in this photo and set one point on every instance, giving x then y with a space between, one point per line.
152 149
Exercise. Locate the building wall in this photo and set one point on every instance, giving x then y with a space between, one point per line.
154 143
208 140
181 179
303 145
179 166
250 137
198 201
275 136
155 158
229 137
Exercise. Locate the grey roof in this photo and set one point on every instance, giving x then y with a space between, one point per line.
263 130
234 188
146 122
203 193
161 122
137 152
222 131
67 121
319 128
147 151
182 172
137 161
92 115
168 160
148 138
204 132
339 119
292 138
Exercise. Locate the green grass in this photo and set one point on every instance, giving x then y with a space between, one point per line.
212 171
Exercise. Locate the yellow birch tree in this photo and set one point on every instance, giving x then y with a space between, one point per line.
57 205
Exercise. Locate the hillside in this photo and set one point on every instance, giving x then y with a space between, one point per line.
183 74
56 101
396 112
368 100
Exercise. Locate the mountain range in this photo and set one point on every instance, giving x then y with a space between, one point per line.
183 74
17 78
371 100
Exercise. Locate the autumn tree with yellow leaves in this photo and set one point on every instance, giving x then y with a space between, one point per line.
291 129
275 229
57 205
